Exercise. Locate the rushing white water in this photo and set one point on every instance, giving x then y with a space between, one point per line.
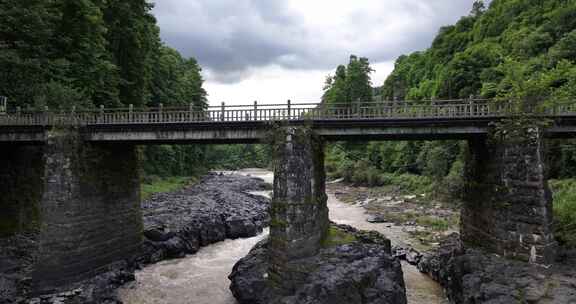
203 278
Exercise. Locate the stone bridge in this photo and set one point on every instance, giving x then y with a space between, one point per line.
70 205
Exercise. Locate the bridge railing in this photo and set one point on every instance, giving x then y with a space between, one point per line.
274 112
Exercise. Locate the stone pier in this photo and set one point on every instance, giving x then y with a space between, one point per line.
508 205
305 259
299 211
68 211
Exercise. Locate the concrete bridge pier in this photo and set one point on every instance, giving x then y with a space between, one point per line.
68 211
508 205
299 205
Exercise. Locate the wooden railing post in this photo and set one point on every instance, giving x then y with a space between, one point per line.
255 110
160 112
223 111
289 109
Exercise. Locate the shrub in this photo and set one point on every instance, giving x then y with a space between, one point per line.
564 194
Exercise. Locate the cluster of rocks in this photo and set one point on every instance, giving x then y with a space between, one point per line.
218 207
408 254
100 289
472 276
360 271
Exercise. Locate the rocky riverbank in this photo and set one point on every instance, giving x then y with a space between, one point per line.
428 240
352 267
216 208
421 221
471 276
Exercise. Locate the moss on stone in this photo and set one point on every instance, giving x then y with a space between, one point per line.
277 223
336 237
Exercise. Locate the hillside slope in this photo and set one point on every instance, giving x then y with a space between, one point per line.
515 48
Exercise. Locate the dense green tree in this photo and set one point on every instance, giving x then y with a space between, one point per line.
133 40
80 49
520 51
359 85
335 90
473 56
85 53
351 84
27 34
176 81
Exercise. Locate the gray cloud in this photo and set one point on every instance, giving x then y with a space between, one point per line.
231 37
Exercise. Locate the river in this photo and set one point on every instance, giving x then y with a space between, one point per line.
202 278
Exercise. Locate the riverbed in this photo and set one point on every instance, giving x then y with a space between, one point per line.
202 278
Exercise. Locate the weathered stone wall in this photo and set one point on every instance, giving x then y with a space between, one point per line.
80 200
299 214
508 205
21 188
90 210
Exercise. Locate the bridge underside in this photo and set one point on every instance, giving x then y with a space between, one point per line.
254 132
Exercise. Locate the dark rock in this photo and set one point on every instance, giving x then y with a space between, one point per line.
376 219
216 208
156 234
239 227
100 289
8 289
408 254
472 276
249 275
413 257
358 272
176 224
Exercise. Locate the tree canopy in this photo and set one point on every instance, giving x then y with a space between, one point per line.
350 84
86 53
493 51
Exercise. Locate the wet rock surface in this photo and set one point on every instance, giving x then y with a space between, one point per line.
471 276
408 254
219 207
362 271
100 289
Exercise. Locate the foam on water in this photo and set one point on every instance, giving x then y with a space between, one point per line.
203 278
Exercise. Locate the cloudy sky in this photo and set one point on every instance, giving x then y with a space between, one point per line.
274 50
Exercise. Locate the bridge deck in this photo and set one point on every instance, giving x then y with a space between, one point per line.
246 124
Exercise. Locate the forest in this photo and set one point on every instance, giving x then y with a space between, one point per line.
62 54
86 53
515 51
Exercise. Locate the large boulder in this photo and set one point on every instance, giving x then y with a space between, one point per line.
356 272
475 277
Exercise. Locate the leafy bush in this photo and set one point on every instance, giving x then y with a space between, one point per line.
154 184
564 194
436 223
